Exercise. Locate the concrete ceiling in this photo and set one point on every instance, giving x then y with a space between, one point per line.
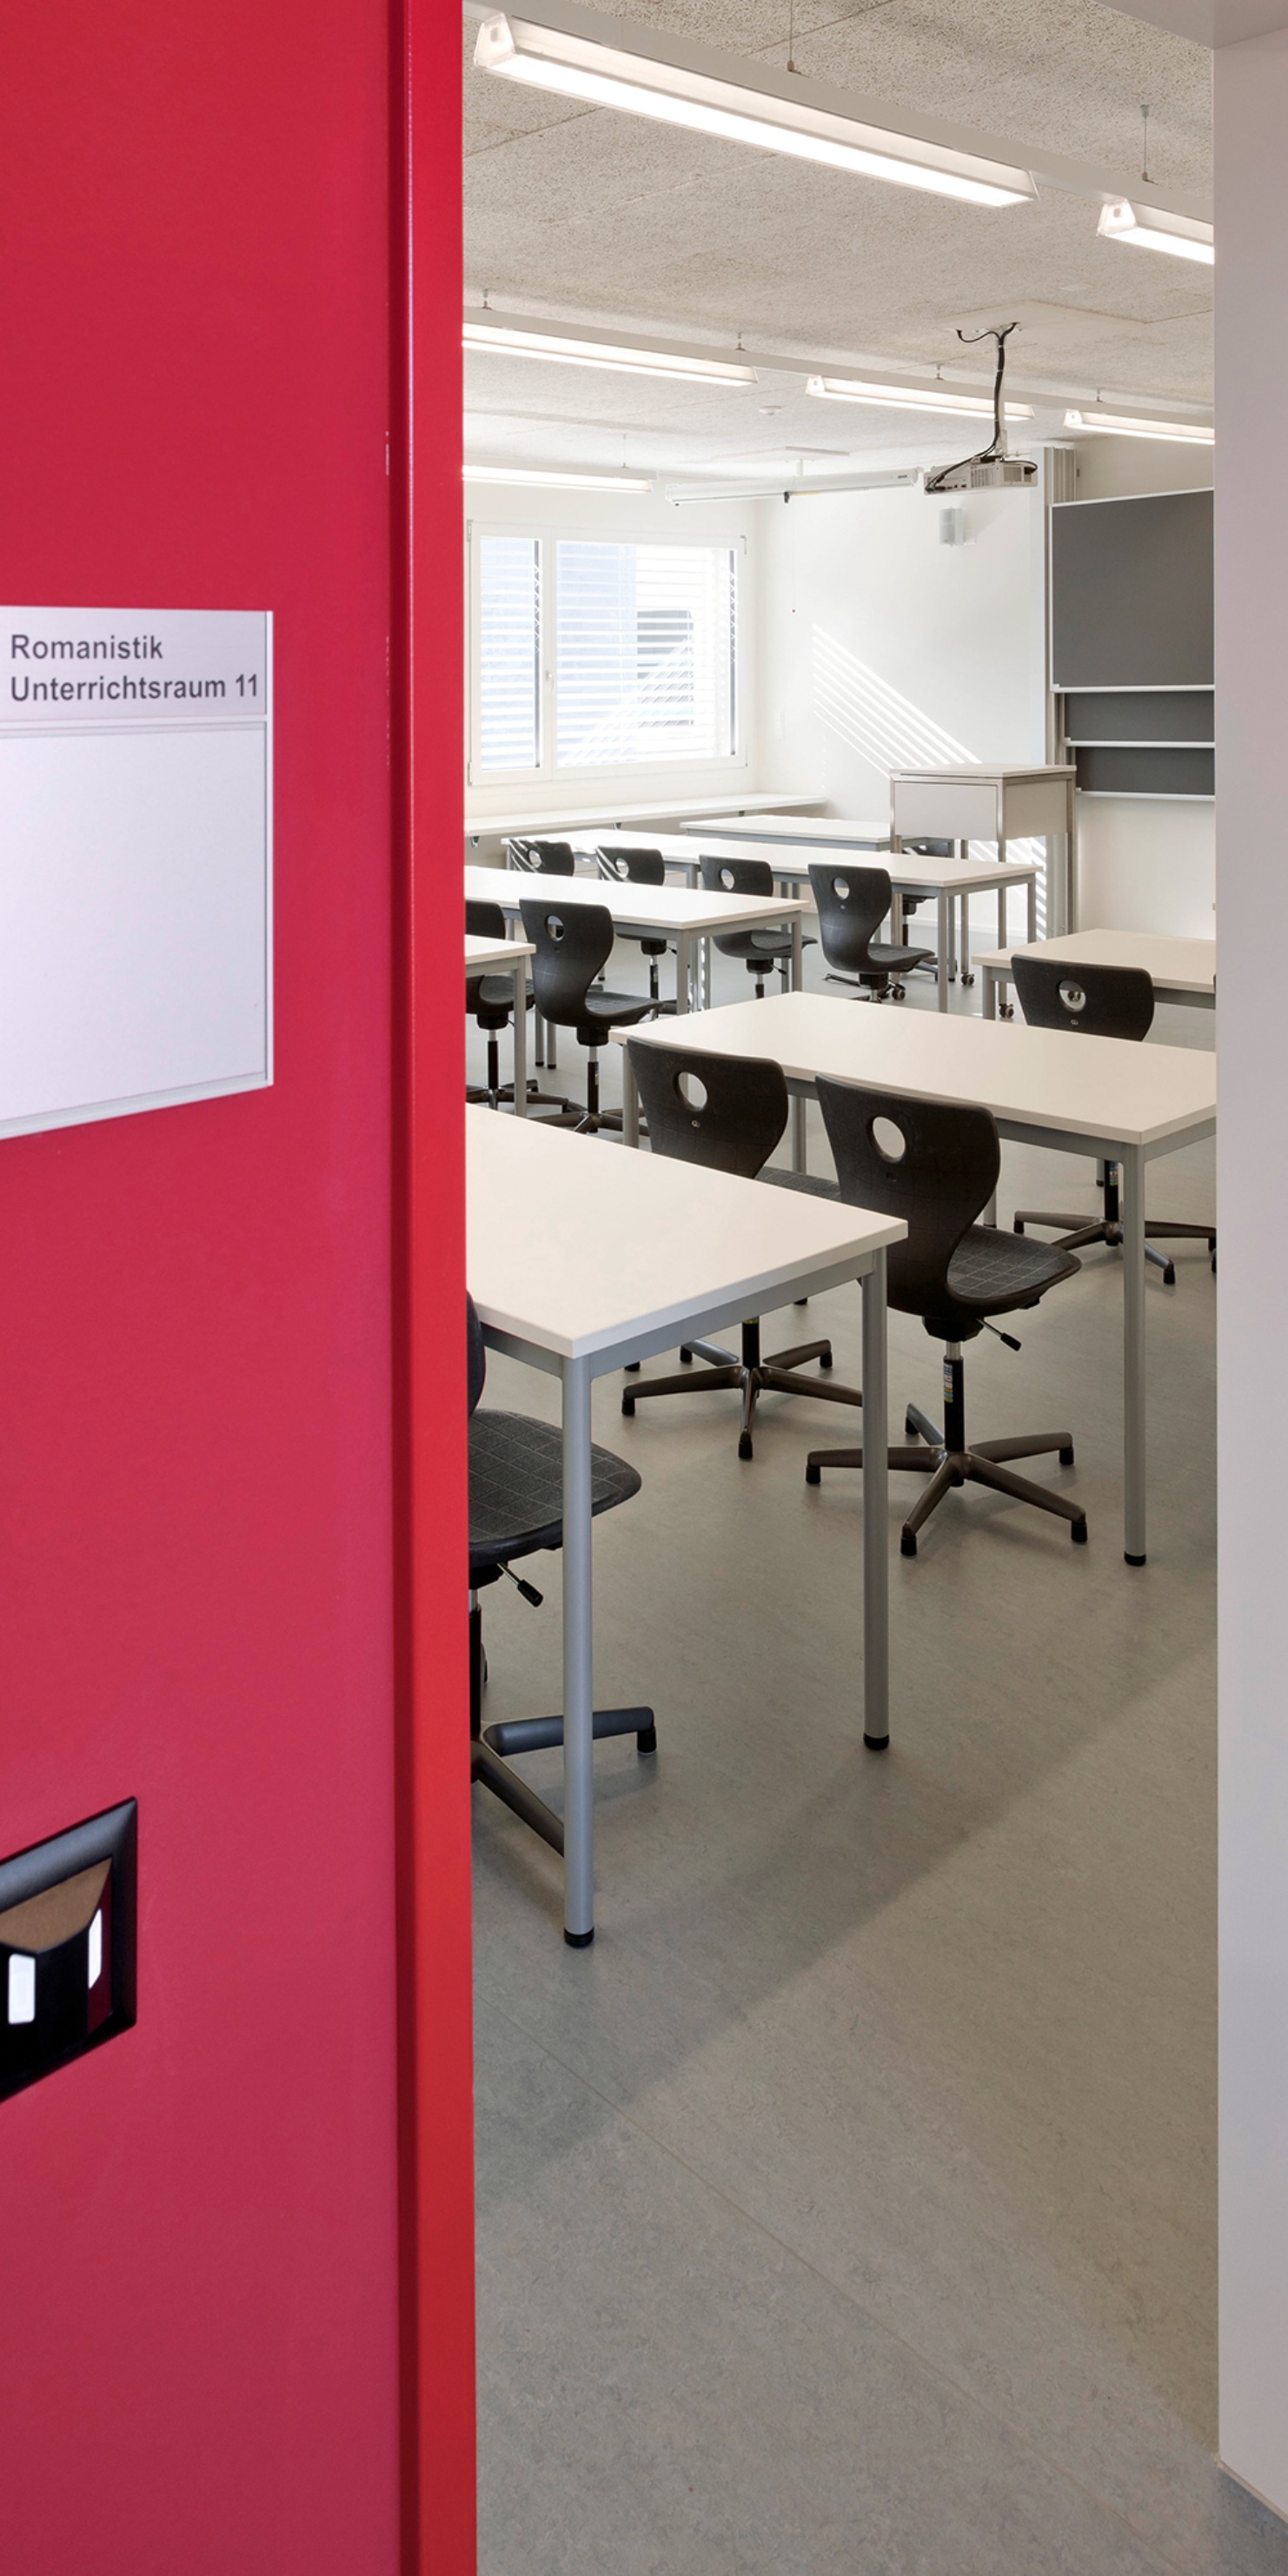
590 215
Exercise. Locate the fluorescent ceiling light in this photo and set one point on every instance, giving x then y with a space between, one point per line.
567 351
913 398
1185 433
1151 229
759 108
537 474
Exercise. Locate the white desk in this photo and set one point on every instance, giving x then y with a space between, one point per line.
830 831
675 912
1102 1096
1180 970
575 818
968 802
507 957
951 881
582 1258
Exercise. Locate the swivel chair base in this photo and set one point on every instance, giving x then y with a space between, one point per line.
752 1376
490 1744
947 1461
1107 1229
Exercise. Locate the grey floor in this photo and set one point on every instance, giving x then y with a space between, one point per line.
848 2210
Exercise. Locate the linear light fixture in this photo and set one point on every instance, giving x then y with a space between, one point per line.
571 349
912 398
547 477
607 63
1185 433
1151 228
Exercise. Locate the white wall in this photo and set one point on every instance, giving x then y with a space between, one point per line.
644 518
1252 889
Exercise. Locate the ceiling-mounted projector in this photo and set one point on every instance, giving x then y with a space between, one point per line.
992 470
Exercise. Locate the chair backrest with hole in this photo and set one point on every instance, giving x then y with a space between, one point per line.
851 902
737 876
542 858
475 1353
725 1111
1102 1001
935 1164
571 946
632 867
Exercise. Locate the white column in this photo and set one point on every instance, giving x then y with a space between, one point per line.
1252 910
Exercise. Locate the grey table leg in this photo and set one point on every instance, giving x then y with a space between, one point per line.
990 993
630 1101
876 1534
1033 905
943 909
578 1661
798 1104
798 954
963 953
683 972
1131 1163
521 1038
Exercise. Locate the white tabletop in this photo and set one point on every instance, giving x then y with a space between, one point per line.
1184 965
829 830
1027 1077
979 770
571 817
795 857
669 908
482 953
575 1245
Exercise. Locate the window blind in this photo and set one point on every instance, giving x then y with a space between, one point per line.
645 653
509 674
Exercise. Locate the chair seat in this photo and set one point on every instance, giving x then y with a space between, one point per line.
516 1487
811 1183
603 1011
756 943
882 955
491 999
992 1271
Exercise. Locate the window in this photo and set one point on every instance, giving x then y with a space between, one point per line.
595 655
509 660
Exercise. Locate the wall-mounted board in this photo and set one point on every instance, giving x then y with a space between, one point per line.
136 798
1131 592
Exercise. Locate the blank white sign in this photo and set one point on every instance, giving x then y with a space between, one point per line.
135 876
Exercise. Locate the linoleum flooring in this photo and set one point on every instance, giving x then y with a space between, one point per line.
848 2209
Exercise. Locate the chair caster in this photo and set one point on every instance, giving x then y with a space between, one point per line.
628 1406
1169 1274
897 992
745 1449
813 1475
646 1740
907 1543
969 979
825 1358
1006 1010
1018 1226
1078 1532
686 1355
1066 1457
632 1368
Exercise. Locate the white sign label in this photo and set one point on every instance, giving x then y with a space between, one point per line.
135 860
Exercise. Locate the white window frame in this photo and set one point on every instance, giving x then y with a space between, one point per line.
548 535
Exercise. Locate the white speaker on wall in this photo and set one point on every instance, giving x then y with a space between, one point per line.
952 526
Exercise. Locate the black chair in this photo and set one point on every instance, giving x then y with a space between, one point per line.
541 858
640 867
571 948
735 1129
516 1509
1102 1002
852 902
490 998
760 950
940 1169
